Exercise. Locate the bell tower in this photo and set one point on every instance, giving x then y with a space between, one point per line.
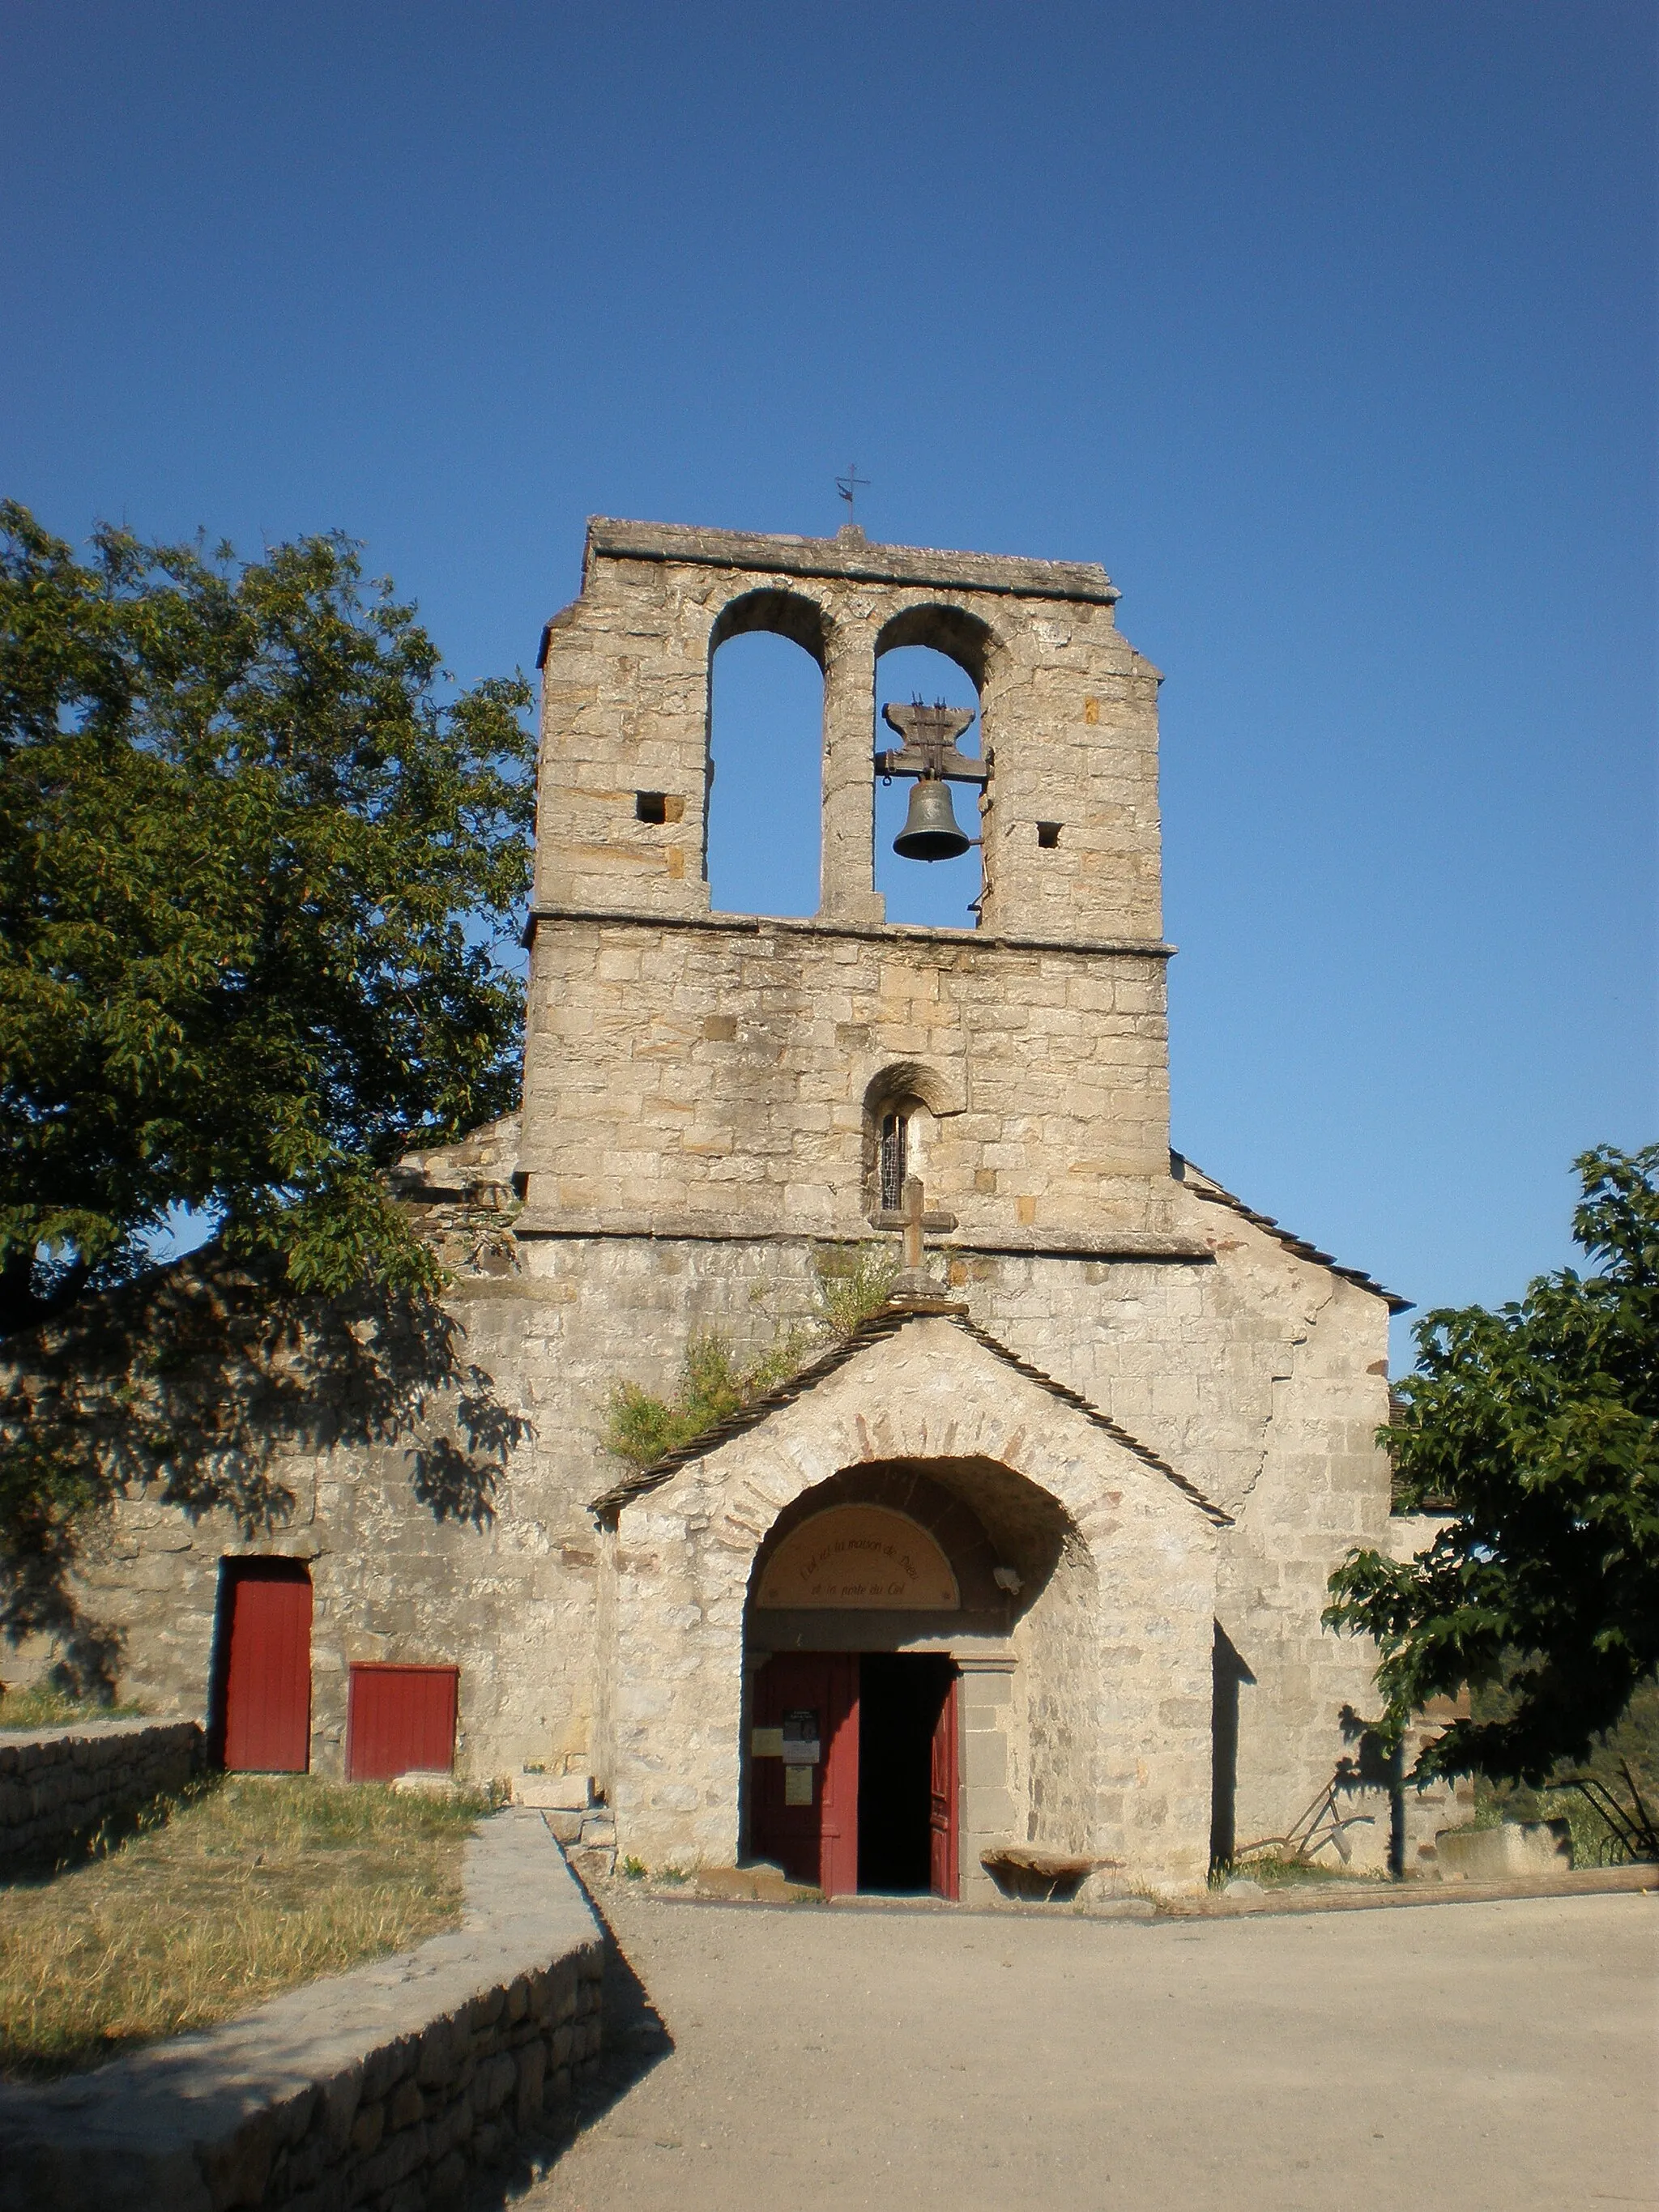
713 1077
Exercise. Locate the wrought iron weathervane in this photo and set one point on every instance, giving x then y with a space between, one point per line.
849 487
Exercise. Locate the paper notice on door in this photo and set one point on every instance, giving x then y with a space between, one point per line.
797 1785
766 1743
800 1738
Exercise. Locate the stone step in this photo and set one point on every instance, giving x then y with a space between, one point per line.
554 1793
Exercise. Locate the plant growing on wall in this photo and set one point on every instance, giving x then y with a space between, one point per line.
1535 1428
642 1426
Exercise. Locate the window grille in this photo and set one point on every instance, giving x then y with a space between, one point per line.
895 1160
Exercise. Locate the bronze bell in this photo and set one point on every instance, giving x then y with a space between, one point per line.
930 831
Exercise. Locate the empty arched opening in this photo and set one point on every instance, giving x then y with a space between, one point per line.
763 822
900 1693
934 654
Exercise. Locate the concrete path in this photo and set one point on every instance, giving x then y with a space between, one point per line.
1478 2057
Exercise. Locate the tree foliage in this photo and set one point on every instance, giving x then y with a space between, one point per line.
251 864
1536 1429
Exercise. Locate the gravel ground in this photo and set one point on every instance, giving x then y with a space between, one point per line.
1465 2056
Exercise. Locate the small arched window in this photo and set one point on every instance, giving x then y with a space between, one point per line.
895 1156
900 1106
901 1149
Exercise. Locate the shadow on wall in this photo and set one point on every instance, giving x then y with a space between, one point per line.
192 1387
1227 1672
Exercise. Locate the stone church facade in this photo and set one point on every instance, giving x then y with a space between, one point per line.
1025 1571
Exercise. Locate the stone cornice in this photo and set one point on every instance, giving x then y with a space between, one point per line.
751 925
724 1229
850 557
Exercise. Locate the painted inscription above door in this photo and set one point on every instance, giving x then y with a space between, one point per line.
859 1555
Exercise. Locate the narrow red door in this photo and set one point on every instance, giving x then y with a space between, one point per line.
399 1720
804 1806
838 1832
945 1878
268 1666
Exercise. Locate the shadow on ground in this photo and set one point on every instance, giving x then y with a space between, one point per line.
635 2040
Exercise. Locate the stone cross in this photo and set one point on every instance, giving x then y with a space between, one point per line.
915 1222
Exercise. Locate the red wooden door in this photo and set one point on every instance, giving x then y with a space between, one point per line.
944 1877
805 1816
399 1719
267 1715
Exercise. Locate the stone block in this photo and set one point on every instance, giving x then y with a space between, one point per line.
554 1793
398 2156
426 1782
327 2195
493 2084
237 2169
533 2070
442 2048
367 2128
405 2106
448 2181
1516 1850
452 2127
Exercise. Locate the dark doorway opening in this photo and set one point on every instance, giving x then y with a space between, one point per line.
902 1716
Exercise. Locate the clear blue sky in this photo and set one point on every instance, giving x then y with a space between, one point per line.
1328 329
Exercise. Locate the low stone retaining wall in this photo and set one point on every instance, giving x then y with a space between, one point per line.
56 1783
386 2087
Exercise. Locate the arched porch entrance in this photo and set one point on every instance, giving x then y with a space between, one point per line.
896 1641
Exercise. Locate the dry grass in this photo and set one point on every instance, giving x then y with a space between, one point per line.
42 1706
242 1887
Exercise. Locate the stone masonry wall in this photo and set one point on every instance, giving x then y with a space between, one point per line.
722 1078
506 1596
391 2086
1257 1374
930 1394
59 1784
1068 707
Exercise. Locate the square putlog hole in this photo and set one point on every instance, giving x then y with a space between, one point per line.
659 806
1047 835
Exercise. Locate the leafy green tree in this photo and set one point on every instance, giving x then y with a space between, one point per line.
1536 1429
256 863
254 872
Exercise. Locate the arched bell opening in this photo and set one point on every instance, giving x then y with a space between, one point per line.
912 1634
763 810
929 657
